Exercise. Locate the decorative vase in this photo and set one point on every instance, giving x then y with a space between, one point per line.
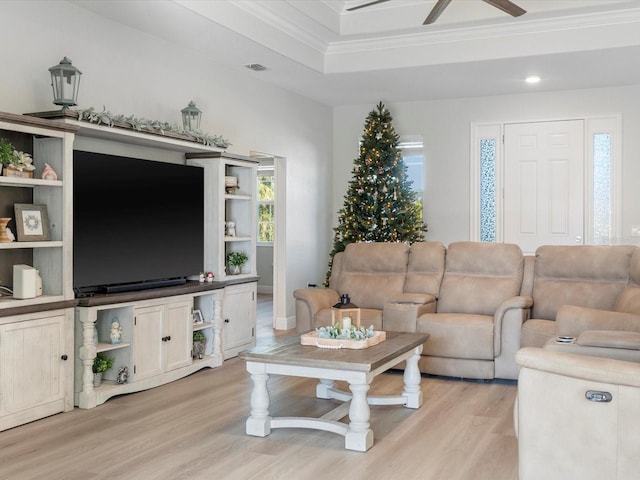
4 238
97 379
234 269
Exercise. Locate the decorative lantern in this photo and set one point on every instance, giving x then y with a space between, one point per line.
345 312
65 80
191 117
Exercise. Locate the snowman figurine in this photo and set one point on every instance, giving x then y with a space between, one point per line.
116 331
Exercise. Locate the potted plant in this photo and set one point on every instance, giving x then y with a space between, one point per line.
236 260
199 344
6 154
101 364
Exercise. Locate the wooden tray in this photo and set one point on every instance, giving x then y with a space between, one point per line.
312 339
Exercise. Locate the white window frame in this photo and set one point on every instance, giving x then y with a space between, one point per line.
265 171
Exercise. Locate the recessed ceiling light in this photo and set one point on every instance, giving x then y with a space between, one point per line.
256 67
531 79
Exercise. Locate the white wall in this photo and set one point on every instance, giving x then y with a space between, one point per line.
133 73
445 127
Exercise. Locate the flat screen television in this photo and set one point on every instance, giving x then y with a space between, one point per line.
137 224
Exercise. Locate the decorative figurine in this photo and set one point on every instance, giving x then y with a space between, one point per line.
210 277
202 277
231 229
123 375
48 173
116 331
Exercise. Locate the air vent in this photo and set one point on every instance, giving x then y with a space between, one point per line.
256 67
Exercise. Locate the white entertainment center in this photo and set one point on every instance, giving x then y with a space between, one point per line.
53 337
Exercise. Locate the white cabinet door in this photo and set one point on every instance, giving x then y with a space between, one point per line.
32 366
239 314
147 342
178 322
162 338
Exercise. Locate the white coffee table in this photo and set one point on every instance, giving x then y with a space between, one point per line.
356 367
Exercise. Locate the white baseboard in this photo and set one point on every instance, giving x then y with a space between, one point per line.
285 323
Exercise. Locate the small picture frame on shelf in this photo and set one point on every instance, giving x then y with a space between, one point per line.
32 222
197 317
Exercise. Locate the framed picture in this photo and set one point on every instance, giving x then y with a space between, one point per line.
32 222
197 317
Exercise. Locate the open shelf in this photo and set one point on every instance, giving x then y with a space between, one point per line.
107 347
19 245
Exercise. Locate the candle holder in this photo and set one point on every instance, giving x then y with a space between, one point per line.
344 310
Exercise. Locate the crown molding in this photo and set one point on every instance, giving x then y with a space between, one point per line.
471 33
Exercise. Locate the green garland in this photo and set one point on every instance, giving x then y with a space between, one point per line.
144 125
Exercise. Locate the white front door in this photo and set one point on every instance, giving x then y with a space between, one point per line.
544 184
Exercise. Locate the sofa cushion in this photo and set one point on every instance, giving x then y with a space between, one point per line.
373 273
478 277
584 275
458 335
425 269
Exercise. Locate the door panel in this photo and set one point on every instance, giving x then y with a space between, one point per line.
178 329
147 342
544 184
31 369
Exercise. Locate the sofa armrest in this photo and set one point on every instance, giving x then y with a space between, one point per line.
507 334
571 321
514 307
610 339
309 301
595 369
401 313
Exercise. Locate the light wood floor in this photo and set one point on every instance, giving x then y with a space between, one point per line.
194 429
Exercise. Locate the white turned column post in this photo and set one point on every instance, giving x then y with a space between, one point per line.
86 353
259 423
412 378
323 387
360 436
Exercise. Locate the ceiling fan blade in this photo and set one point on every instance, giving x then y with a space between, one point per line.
368 4
436 11
507 7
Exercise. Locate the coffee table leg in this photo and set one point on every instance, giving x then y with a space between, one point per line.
360 436
323 387
412 380
259 423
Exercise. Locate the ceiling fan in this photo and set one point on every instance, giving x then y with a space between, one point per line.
504 5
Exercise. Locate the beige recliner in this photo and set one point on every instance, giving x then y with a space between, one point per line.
475 331
577 417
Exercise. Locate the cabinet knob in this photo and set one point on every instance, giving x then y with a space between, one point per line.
164 339
169 338
226 320
64 357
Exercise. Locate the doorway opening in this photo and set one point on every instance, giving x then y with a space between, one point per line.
271 241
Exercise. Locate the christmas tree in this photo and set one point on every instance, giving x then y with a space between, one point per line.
379 205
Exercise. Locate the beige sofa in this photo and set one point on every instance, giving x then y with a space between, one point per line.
466 297
481 302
